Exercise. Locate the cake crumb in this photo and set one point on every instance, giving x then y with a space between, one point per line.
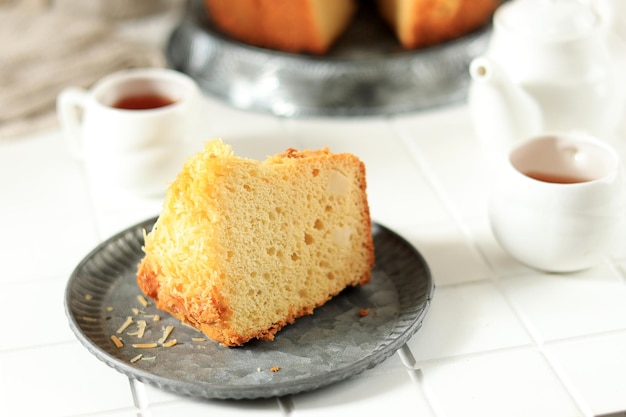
88 297
275 368
364 312
258 369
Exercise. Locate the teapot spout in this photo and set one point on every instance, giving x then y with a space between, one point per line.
502 111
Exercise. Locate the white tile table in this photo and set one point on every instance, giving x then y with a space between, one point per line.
500 339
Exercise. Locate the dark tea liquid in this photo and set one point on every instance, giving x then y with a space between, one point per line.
143 102
555 178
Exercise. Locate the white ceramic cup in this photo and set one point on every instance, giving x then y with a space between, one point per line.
557 201
137 150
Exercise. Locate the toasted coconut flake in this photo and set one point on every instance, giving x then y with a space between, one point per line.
88 297
109 308
170 343
117 341
166 333
141 328
142 300
136 358
124 326
145 345
198 339
91 319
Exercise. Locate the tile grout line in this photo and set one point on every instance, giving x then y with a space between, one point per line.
540 345
417 377
568 385
416 374
439 190
40 346
469 355
619 271
431 177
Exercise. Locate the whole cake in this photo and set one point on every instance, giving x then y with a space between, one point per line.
242 248
422 23
313 26
287 25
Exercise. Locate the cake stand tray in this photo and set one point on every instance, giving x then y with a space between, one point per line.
366 72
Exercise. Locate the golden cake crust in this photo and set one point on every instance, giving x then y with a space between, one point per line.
243 248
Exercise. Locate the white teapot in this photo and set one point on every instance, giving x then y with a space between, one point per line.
548 67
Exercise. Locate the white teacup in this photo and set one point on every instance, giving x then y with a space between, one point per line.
133 128
557 201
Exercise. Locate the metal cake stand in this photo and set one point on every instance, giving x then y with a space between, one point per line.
366 72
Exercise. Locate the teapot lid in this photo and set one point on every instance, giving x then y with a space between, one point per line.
548 19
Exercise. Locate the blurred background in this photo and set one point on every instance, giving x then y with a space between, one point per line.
46 45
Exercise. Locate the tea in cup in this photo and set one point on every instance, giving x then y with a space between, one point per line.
133 128
557 201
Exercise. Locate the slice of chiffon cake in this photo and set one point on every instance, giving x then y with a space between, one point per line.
243 248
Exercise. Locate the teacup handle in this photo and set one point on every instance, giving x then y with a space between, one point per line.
71 104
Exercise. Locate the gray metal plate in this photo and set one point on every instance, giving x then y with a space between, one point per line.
331 345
